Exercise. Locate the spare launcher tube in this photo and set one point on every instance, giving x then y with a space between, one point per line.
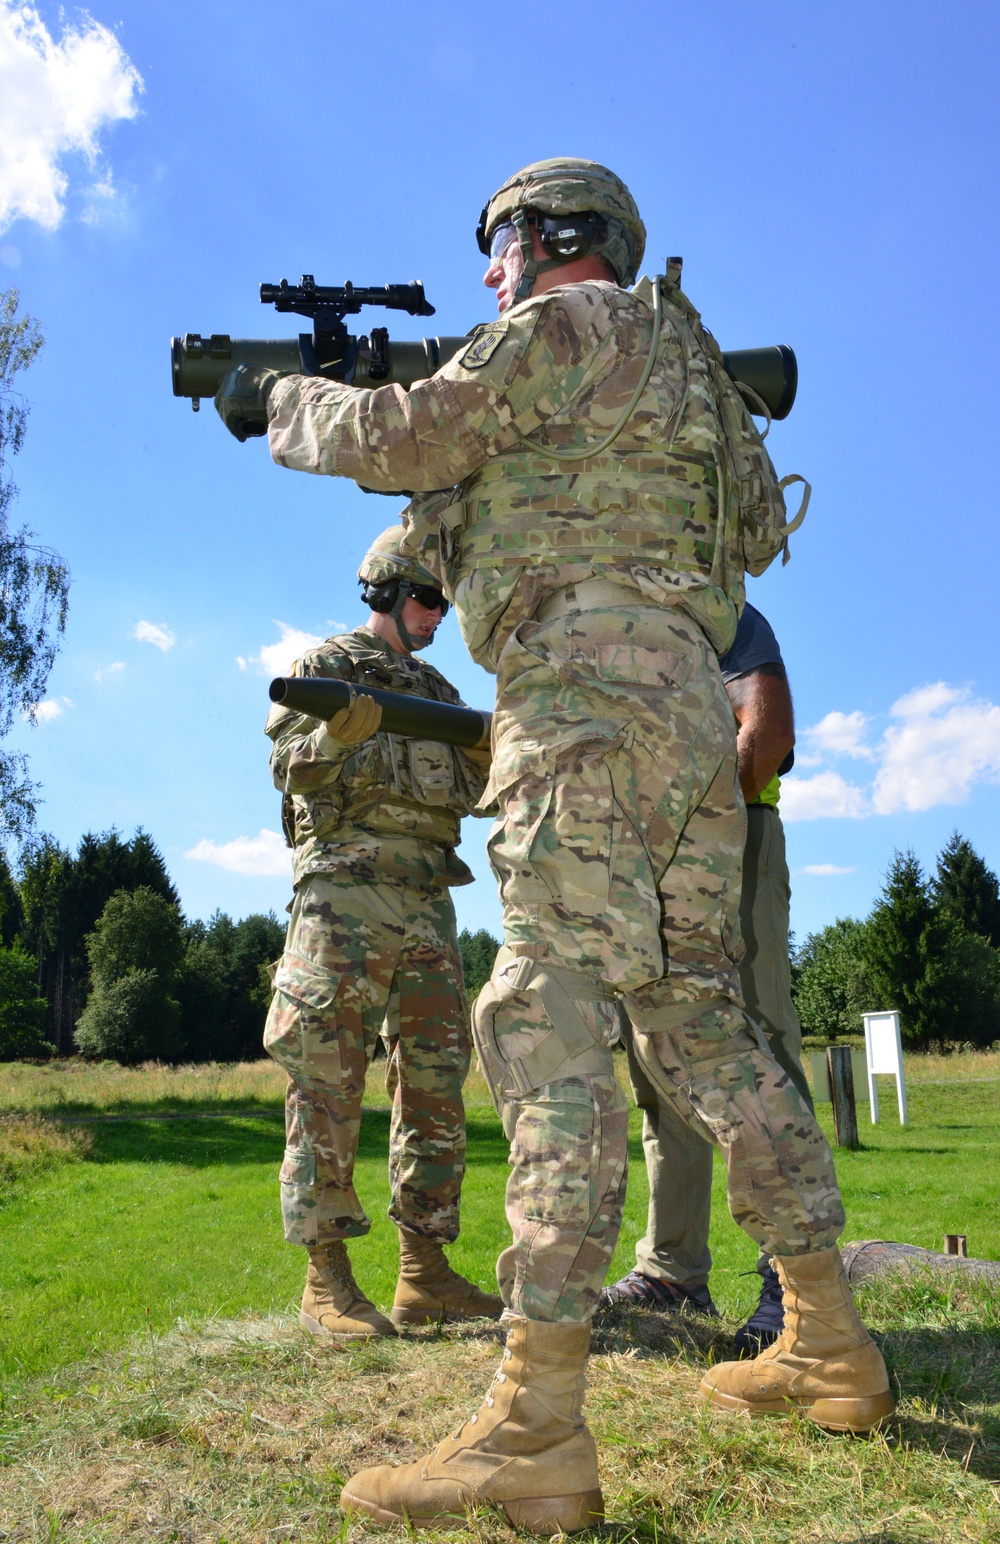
418 718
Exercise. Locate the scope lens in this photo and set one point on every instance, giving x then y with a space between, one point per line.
501 240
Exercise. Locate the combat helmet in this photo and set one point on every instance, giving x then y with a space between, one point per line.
608 223
388 575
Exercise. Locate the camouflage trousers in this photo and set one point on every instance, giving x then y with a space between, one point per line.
618 850
679 1158
359 957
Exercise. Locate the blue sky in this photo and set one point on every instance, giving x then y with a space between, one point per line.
827 172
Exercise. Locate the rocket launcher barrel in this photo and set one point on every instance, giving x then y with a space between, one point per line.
200 364
418 718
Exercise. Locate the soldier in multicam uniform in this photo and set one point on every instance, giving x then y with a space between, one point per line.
605 490
374 820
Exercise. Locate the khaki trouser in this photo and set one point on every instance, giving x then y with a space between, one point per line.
678 1159
618 850
357 957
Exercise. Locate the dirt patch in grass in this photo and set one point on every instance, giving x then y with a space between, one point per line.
243 1431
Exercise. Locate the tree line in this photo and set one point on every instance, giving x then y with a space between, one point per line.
97 957
930 948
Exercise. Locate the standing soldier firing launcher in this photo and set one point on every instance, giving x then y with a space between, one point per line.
605 491
374 820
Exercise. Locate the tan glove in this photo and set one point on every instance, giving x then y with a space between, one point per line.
481 756
357 722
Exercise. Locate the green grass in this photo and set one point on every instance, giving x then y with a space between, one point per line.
174 1218
155 1383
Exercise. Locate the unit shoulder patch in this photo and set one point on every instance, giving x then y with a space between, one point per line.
486 340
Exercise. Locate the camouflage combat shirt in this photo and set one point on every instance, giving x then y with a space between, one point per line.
513 525
389 808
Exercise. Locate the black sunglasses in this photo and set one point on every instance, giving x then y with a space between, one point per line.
430 598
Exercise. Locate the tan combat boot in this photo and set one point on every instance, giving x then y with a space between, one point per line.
429 1290
823 1363
333 1303
527 1450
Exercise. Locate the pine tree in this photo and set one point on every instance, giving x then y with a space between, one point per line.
968 890
943 979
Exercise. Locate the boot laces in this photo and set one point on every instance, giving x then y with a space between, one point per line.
490 1401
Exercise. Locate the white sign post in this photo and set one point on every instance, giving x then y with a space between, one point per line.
884 1054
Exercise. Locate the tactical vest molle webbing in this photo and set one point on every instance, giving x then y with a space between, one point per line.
649 497
389 785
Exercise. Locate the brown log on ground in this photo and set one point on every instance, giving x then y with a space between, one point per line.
875 1257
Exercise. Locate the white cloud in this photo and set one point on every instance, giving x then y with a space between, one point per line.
838 734
263 854
107 671
51 708
149 632
826 870
825 795
945 742
56 97
278 658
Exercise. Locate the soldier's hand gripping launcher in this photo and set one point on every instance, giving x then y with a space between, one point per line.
416 717
199 364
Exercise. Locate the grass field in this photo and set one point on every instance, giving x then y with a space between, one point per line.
155 1382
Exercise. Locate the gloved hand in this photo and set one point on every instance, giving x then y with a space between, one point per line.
241 400
357 722
480 755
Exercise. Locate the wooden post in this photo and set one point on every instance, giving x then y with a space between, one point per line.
845 1114
955 1244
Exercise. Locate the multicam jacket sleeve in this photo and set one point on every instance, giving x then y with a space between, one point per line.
543 354
303 756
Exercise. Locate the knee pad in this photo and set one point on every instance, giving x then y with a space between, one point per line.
565 1043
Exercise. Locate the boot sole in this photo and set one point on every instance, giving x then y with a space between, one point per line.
832 1414
437 1316
542 1515
322 1332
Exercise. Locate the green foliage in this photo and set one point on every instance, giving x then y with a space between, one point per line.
62 896
132 1019
22 1011
917 952
224 988
135 954
479 950
138 930
924 963
968 890
832 983
34 581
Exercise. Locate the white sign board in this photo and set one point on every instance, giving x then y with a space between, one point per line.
884 1053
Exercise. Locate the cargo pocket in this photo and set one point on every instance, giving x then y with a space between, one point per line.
524 803
298 1198
302 1034
432 768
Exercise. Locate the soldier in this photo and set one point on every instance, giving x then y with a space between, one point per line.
673 1259
374 821
604 490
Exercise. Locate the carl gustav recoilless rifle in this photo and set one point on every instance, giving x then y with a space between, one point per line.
200 364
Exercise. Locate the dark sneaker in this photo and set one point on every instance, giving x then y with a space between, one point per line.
641 1291
767 1321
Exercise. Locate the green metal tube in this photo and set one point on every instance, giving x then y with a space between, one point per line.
418 718
199 365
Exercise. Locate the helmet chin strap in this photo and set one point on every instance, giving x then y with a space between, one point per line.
532 268
407 639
